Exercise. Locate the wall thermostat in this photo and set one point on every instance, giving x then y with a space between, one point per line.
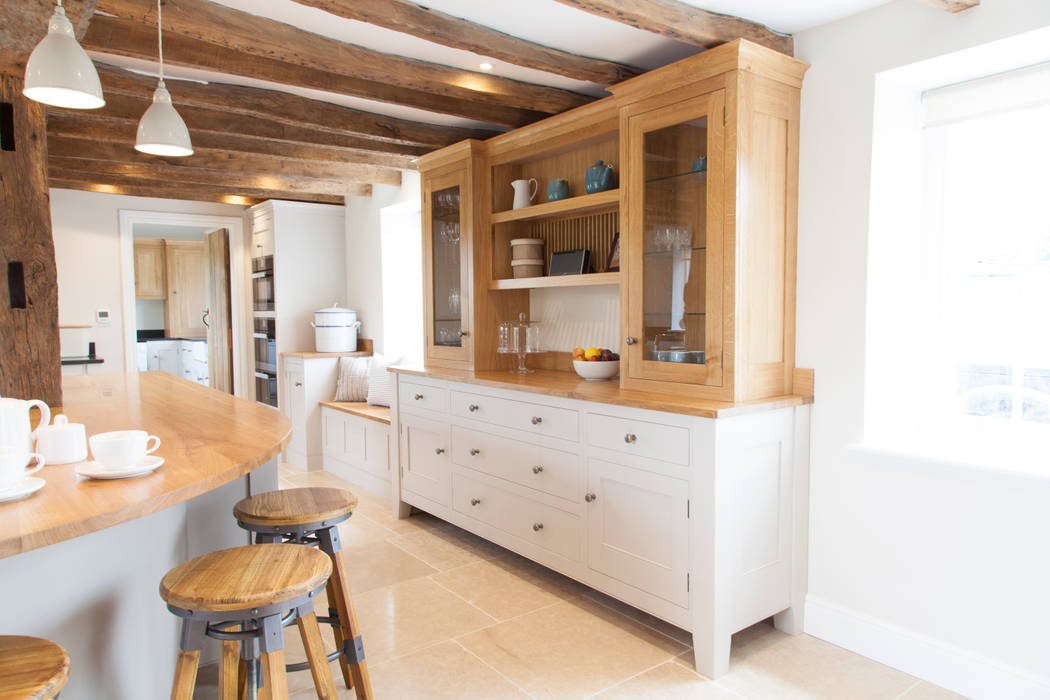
102 317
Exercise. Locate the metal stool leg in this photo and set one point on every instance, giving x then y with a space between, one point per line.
353 647
191 641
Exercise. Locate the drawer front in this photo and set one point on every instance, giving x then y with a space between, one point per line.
530 417
412 397
669 443
536 523
541 468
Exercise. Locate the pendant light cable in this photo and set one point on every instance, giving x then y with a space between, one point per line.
161 130
160 43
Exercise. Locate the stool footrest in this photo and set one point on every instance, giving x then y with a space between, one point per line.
305 665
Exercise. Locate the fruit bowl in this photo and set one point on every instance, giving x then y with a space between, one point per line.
596 371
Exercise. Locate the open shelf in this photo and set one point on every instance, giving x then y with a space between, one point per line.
608 199
589 280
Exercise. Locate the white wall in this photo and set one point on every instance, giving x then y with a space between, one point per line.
364 280
87 251
937 569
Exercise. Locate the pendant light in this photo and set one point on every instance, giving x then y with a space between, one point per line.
161 130
59 72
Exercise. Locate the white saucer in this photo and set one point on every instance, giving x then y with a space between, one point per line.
96 470
23 488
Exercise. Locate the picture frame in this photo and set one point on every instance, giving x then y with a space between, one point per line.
613 263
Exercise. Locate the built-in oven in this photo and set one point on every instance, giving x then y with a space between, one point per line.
264 339
262 283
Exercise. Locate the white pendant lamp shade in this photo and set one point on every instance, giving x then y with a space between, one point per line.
161 130
59 71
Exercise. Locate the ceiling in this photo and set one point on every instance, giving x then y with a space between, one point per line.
285 100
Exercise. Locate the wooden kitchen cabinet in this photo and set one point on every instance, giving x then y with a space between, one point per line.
187 269
150 269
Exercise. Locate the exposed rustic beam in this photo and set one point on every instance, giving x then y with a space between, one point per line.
123 37
124 130
683 22
953 6
111 184
23 23
226 160
166 174
441 28
259 36
296 111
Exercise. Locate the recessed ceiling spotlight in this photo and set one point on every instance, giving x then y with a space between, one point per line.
485 66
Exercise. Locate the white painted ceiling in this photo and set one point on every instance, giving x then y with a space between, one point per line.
543 21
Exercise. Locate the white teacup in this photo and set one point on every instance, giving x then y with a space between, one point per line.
121 449
13 461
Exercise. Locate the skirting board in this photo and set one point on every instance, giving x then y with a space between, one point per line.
973 675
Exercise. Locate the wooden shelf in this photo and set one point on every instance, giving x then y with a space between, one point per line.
588 280
609 199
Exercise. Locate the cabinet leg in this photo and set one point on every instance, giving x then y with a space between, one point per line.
791 621
402 510
711 654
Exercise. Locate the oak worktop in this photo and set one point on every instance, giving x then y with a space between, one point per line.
569 385
208 439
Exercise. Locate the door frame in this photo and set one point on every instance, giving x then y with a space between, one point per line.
243 385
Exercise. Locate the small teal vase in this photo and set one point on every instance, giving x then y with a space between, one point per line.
599 177
557 189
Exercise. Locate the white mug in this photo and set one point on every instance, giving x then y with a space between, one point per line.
62 442
13 461
121 449
14 421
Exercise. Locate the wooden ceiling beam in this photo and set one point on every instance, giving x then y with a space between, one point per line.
76 180
210 159
683 22
124 130
953 6
244 32
163 173
448 30
23 23
121 37
293 110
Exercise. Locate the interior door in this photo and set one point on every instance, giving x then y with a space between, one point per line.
217 317
187 287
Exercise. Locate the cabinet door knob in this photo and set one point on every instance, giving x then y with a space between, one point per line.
631 341
418 397
537 469
474 452
536 527
630 438
475 501
464 333
536 420
298 383
591 497
473 408
439 450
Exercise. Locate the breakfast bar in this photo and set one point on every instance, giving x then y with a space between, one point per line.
81 559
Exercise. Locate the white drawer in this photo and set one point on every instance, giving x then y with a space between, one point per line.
413 396
536 523
530 417
541 468
669 443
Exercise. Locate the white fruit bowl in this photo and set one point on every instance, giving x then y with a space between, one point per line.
596 371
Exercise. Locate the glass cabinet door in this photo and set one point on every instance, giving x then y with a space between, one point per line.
446 261
675 237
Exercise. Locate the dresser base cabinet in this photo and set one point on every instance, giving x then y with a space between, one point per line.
698 521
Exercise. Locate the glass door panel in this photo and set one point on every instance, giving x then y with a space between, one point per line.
445 224
676 242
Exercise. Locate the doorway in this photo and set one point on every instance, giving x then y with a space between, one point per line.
185 291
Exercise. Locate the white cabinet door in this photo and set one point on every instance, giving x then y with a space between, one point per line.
296 402
141 357
638 528
424 458
167 358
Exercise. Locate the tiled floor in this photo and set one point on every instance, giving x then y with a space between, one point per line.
446 614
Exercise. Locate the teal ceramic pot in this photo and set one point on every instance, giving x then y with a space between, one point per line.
557 189
700 164
599 177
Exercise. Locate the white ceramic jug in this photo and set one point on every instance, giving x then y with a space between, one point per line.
14 422
522 197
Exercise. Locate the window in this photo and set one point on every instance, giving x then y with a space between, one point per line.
969 280
402 267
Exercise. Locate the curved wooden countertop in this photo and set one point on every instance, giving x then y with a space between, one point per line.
208 439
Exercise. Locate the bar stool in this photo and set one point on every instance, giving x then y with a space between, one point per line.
31 668
247 595
309 516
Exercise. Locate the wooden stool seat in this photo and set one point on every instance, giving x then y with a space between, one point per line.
32 668
245 577
296 507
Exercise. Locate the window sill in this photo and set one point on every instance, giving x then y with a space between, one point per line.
999 455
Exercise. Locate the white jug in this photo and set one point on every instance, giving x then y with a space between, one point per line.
522 198
14 422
